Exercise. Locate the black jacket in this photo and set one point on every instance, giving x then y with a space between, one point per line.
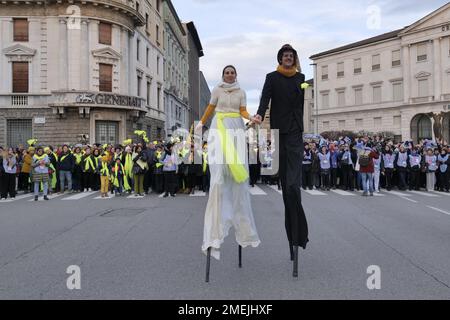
66 164
286 98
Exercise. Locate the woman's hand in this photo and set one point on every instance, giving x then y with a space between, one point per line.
198 127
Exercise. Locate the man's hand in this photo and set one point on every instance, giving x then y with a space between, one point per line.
257 119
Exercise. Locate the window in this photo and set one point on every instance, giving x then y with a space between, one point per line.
377 122
358 96
158 98
341 124
20 77
359 123
146 56
158 5
146 22
137 6
105 75
157 34
324 72
397 91
423 88
397 121
422 52
20 29
326 125
325 100
424 128
104 33
376 94
138 45
148 93
357 66
18 131
341 98
107 132
158 133
340 70
396 58
157 64
139 81
376 64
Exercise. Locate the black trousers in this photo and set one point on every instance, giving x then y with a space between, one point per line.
402 178
148 183
414 179
307 176
347 177
290 172
170 182
8 185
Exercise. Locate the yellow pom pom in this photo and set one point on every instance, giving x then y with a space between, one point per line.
126 142
32 142
304 85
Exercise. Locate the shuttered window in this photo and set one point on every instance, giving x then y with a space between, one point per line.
357 66
376 64
396 58
422 52
20 77
104 32
105 73
340 69
20 29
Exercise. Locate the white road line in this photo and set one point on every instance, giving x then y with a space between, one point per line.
256 191
314 192
161 195
414 201
376 194
197 194
395 193
134 197
24 196
343 193
424 194
52 196
80 195
439 210
441 193
276 189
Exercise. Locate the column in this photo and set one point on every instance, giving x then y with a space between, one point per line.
437 76
63 69
406 73
85 49
74 57
124 67
131 64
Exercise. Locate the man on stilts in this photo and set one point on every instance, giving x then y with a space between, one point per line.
284 89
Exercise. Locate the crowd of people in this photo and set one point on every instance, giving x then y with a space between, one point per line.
140 168
371 163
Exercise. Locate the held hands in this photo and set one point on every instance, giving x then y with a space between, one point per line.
198 127
256 119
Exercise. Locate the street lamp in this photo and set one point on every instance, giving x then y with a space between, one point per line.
316 104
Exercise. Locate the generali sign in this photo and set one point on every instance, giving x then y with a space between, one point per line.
109 99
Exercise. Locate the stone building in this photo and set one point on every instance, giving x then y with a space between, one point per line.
74 69
398 82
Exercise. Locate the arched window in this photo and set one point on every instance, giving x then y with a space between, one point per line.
424 128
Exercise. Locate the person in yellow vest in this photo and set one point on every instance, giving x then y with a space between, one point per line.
140 167
205 168
119 179
40 165
77 171
66 165
158 170
104 170
26 169
96 174
127 161
88 167
51 169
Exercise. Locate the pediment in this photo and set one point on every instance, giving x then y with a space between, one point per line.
19 50
422 74
437 17
107 53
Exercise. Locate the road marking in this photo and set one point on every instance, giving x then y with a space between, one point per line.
398 194
256 191
52 196
80 195
24 196
276 189
343 193
198 194
133 196
439 210
376 194
441 193
424 194
315 192
414 201
161 195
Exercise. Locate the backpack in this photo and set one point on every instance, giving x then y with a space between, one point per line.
364 160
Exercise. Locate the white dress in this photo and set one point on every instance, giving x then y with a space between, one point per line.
229 203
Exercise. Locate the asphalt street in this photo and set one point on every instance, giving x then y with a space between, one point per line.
150 248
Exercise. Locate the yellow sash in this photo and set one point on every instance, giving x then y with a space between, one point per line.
238 170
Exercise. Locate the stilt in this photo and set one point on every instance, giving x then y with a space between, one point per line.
208 262
291 250
295 272
240 257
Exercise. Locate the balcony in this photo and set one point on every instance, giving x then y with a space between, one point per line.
445 97
24 100
421 99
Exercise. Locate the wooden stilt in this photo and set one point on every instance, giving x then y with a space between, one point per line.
295 272
208 263
240 257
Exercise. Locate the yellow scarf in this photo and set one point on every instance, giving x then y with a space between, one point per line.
287 72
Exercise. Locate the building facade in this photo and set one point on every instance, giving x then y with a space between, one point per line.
176 68
397 82
74 69
195 52
205 97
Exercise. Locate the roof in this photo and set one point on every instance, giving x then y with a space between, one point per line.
382 37
193 31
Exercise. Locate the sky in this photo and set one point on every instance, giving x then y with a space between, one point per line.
249 33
